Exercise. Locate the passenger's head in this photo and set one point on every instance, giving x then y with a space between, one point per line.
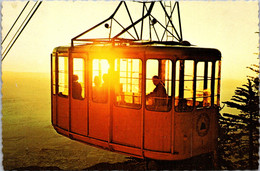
96 81
75 78
156 80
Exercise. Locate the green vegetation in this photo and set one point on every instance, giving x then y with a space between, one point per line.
239 133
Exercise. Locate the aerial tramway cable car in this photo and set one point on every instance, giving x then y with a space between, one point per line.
147 99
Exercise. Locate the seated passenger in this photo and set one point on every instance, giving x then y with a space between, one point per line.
97 90
159 94
76 88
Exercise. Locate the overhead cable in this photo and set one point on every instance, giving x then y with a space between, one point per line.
18 30
15 21
22 29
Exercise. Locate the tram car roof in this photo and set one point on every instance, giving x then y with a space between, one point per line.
152 50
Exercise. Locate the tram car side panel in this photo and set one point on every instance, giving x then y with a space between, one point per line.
78 117
157 131
63 112
99 121
204 131
183 134
127 126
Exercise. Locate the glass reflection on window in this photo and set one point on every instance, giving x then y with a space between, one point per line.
100 80
128 82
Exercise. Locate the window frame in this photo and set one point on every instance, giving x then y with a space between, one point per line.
179 78
92 81
207 81
170 98
141 81
62 55
84 87
213 82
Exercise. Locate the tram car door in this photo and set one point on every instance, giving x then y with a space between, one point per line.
158 113
127 108
79 93
99 93
62 97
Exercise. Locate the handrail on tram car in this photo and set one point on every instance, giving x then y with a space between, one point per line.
136 41
132 42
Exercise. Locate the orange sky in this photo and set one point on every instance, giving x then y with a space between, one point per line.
227 26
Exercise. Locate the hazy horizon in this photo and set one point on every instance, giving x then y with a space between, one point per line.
228 86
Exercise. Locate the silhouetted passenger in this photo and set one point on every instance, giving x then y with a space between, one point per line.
76 88
159 94
105 87
97 90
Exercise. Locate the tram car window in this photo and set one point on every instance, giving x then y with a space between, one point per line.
63 79
184 85
203 84
158 85
128 82
100 79
78 79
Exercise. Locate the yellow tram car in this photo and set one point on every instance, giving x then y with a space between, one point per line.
125 120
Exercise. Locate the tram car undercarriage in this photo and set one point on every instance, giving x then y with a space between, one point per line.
146 99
